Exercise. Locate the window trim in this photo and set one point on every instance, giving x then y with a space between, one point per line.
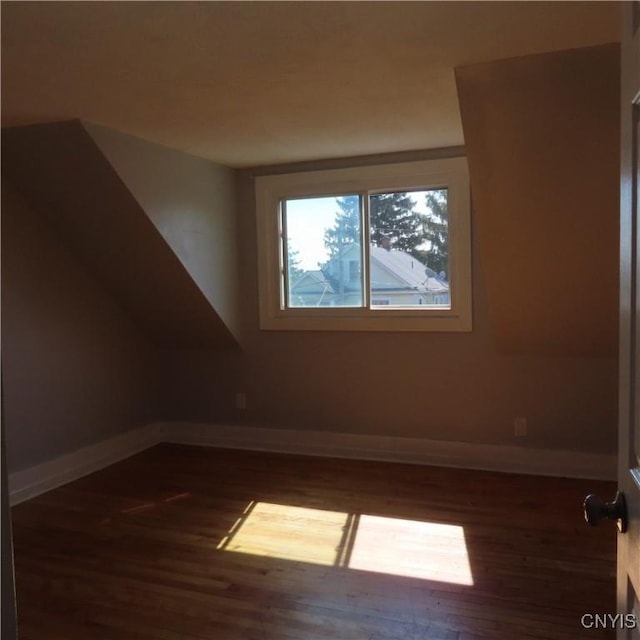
451 173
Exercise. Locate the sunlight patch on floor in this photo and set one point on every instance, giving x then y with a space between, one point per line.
288 533
410 548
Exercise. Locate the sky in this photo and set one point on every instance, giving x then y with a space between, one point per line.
307 221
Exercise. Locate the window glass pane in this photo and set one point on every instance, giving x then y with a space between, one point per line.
323 252
409 253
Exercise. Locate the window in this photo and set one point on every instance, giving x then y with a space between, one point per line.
376 248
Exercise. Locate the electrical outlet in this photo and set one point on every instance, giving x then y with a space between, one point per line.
241 400
520 427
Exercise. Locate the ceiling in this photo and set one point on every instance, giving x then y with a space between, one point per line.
257 83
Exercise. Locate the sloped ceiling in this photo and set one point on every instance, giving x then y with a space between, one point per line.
247 84
63 173
257 83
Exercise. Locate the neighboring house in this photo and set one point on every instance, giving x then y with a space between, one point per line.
311 289
397 279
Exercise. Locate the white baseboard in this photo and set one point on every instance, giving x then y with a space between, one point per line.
40 478
31 482
466 455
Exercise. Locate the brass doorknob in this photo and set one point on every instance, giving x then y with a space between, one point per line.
595 510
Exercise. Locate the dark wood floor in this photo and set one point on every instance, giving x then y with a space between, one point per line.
186 543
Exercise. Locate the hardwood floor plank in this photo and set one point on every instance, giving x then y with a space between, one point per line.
193 543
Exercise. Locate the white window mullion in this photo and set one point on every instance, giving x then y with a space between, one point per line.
283 266
366 239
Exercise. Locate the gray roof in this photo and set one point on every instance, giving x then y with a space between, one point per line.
406 268
405 273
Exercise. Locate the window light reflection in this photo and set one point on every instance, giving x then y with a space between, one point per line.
410 548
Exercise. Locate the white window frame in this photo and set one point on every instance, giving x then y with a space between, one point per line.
271 190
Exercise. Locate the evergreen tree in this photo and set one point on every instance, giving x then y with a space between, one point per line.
346 229
392 216
436 228
294 271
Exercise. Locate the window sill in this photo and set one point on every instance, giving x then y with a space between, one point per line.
415 322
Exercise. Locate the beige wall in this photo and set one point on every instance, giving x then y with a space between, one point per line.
543 152
75 369
543 138
191 202
432 385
